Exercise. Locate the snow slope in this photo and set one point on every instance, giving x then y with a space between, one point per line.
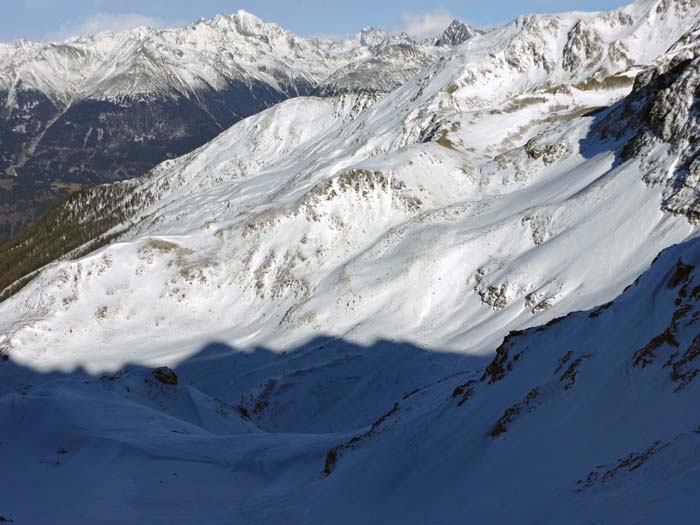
566 423
330 280
111 106
316 216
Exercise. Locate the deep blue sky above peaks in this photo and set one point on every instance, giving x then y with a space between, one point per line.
58 19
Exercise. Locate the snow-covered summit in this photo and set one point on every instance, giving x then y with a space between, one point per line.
204 53
456 33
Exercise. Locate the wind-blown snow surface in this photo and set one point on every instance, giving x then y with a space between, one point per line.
411 234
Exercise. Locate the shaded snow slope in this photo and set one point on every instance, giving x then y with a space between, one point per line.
415 215
587 419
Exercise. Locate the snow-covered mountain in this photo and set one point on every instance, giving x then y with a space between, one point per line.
456 33
111 106
440 304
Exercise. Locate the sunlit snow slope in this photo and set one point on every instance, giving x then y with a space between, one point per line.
111 106
331 278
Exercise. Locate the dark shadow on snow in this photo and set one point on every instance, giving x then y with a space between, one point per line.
305 400
298 390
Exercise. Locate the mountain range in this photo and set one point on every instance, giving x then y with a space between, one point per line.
446 281
110 107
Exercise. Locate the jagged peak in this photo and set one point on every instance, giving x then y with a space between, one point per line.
372 36
242 22
456 33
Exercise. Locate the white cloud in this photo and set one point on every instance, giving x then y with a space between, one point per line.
100 22
423 25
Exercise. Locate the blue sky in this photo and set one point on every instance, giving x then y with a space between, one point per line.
55 19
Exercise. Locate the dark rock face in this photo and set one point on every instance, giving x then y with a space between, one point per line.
663 109
21 121
165 375
96 141
455 34
47 151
